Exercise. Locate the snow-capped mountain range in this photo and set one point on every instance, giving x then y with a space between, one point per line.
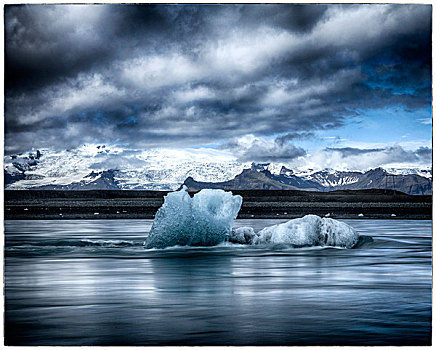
109 167
158 169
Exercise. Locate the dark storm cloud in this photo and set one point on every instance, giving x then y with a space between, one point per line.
351 151
147 76
294 136
251 148
424 152
295 18
392 154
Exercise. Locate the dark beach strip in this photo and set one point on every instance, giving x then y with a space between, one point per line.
368 204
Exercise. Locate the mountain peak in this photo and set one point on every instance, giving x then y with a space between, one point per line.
285 171
378 170
260 166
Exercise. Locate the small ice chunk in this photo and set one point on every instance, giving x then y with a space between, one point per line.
204 220
360 214
310 230
393 215
242 235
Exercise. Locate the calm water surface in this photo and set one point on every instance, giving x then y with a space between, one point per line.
90 282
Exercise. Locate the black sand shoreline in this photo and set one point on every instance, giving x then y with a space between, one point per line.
262 204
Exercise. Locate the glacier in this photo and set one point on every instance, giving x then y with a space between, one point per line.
154 169
207 218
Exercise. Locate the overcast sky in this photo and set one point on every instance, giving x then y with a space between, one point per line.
342 85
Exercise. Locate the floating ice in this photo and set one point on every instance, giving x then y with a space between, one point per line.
204 220
207 219
242 235
310 230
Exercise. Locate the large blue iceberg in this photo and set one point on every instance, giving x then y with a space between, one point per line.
207 218
204 220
